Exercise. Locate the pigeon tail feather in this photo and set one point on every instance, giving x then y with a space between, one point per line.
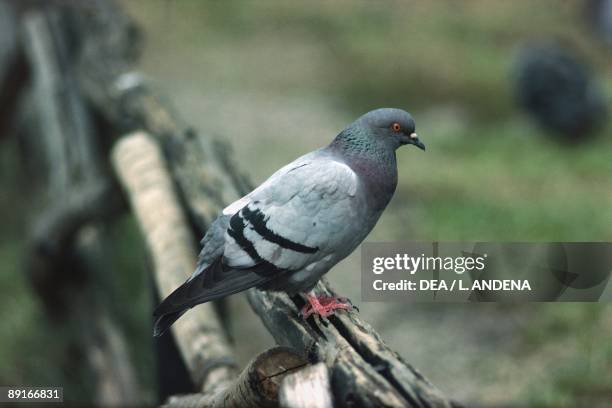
163 322
214 282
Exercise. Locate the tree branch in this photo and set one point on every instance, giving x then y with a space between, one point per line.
142 170
364 370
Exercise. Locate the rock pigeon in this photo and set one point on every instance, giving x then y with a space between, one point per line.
299 223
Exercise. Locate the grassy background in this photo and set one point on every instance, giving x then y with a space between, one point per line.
280 79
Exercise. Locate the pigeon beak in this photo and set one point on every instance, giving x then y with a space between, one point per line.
413 139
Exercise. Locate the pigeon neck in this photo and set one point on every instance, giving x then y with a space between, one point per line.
374 162
357 144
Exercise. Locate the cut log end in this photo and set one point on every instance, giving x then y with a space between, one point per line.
307 388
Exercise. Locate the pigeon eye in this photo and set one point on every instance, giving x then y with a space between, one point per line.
396 127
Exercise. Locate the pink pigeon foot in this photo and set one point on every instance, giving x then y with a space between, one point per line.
324 306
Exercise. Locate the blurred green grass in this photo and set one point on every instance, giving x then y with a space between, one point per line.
578 372
507 181
488 173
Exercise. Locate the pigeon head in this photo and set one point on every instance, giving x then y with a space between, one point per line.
386 127
394 126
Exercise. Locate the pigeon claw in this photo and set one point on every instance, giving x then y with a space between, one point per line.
324 306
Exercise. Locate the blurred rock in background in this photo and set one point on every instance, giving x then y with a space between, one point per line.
559 91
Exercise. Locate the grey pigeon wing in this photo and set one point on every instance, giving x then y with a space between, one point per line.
296 219
213 242
237 205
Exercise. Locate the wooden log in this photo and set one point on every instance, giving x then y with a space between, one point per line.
364 371
140 165
309 387
257 386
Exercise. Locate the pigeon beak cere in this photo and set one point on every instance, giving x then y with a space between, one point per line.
413 139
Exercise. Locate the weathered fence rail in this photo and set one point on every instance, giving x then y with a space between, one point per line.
175 181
